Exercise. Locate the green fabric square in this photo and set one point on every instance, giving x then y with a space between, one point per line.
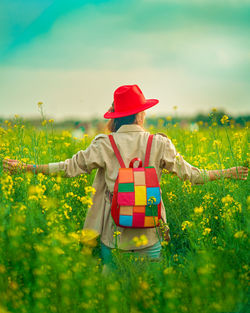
151 210
129 187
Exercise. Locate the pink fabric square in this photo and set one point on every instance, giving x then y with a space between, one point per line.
138 219
139 169
126 198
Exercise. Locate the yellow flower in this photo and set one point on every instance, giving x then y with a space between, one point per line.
75 236
116 233
66 134
144 285
58 250
198 210
41 176
206 231
248 201
151 200
164 243
140 241
88 237
168 270
203 139
171 196
216 143
240 234
224 119
66 214
39 104
2 268
36 192
185 224
32 198
89 189
227 199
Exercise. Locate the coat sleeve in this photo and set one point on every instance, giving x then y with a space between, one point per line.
84 161
174 163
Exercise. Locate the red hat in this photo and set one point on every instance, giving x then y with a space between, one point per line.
129 100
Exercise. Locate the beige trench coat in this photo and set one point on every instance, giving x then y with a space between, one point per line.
131 141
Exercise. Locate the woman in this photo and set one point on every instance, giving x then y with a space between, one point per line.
127 117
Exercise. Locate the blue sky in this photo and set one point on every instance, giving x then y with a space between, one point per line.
73 54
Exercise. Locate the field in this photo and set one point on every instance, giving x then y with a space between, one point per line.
48 264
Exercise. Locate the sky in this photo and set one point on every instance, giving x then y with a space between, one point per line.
72 55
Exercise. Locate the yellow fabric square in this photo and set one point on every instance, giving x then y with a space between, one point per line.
150 221
140 195
126 210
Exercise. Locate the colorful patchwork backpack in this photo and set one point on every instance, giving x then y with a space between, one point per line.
136 201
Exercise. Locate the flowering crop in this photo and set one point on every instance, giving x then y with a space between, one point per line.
48 263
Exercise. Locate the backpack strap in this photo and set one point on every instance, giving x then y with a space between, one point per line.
147 156
116 151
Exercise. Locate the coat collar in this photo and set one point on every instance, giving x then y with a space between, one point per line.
130 128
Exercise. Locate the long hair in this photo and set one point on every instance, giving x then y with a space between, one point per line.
115 123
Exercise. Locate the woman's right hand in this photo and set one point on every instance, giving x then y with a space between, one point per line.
13 166
239 172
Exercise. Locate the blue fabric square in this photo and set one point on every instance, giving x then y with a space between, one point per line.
126 220
153 195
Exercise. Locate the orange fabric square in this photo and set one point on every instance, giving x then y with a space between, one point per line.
139 209
126 210
139 178
126 175
150 221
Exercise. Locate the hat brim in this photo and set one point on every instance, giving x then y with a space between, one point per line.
148 104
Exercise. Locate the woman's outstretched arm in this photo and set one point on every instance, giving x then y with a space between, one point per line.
240 172
174 163
84 161
15 166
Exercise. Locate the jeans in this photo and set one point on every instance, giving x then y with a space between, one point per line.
153 252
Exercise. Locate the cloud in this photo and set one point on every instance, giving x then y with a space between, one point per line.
25 21
188 53
111 37
16 16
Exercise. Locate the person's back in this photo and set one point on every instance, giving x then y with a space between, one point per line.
131 141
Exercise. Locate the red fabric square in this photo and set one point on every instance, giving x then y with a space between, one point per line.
126 198
138 219
151 177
